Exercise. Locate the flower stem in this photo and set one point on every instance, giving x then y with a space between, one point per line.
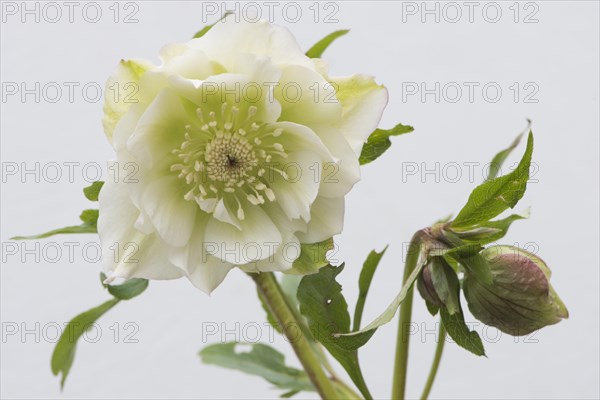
274 298
402 340
436 362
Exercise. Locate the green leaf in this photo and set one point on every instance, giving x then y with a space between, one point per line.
290 394
312 258
83 228
499 158
89 217
477 265
364 283
349 340
91 192
445 283
495 229
459 331
129 289
64 352
432 308
493 197
261 360
323 305
317 50
379 141
204 30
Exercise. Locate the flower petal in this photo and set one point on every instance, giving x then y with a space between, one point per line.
172 216
159 130
119 87
306 97
258 238
282 260
340 177
327 219
363 102
260 38
126 252
208 275
296 194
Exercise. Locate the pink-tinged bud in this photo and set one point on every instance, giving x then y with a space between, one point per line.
438 284
520 300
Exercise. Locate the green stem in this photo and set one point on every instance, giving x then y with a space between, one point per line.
269 288
402 340
436 362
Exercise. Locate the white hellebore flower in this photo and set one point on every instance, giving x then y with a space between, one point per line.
230 153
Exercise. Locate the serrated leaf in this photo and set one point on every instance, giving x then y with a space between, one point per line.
261 360
317 50
364 283
89 217
349 340
64 352
493 197
459 331
207 28
312 257
91 192
496 229
379 141
499 158
325 308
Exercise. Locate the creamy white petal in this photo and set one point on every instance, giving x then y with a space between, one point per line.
306 97
363 102
119 92
338 177
282 260
260 38
258 238
327 220
296 194
159 130
190 63
172 216
126 252
207 276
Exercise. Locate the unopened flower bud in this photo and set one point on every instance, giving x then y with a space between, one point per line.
438 284
520 299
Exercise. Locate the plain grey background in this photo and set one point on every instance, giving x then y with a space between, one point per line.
551 52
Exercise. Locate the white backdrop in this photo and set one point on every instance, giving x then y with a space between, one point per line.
551 53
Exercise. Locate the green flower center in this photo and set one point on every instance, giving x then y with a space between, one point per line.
225 155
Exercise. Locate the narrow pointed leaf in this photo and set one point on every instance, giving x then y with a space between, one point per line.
64 352
128 289
317 50
493 197
379 141
364 283
499 158
205 30
349 340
